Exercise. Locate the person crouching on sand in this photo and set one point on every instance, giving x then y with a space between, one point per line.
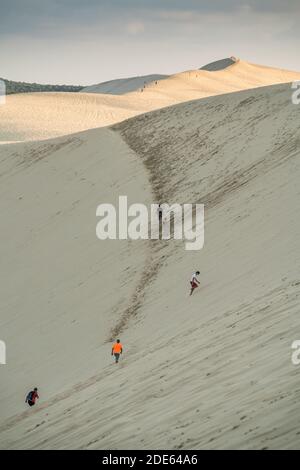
117 349
194 281
32 397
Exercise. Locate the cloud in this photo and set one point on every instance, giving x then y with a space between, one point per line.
135 27
28 16
93 40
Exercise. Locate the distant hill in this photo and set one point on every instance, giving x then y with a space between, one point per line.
123 85
23 87
219 64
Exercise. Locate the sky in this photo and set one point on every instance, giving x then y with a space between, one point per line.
90 41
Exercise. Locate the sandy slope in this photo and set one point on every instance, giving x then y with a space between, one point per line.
211 371
45 115
36 116
123 85
219 64
59 295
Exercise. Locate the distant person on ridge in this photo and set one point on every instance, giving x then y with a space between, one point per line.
160 219
160 212
117 349
32 397
194 281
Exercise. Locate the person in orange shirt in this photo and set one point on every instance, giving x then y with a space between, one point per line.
117 349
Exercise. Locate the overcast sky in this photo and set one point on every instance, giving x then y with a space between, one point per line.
90 41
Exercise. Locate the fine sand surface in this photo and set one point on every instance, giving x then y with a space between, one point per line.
209 371
61 289
36 116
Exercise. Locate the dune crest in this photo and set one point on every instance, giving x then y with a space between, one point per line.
123 85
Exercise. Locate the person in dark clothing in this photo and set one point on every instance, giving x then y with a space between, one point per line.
160 220
160 213
32 397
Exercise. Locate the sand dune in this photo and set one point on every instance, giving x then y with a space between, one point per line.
123 85
39 116
219 64
58 283
211 371
127 85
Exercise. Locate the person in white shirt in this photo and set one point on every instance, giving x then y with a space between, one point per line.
194 281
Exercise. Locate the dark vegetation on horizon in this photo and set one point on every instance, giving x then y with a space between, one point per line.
23 87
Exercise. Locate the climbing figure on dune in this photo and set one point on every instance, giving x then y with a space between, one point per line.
117 349
32 397
194 281
160 213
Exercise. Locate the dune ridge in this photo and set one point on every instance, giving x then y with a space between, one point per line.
123 85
